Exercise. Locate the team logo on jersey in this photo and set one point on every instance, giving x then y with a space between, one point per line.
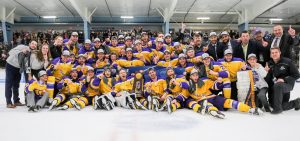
282 68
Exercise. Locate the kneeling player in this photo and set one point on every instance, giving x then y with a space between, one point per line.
37 94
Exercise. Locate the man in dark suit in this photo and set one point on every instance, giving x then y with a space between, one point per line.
247 47
214 48
285 41
227 43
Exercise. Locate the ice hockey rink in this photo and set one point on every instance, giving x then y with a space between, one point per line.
129 125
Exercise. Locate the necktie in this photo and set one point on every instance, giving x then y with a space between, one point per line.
275 42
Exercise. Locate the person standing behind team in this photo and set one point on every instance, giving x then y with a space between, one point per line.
13 73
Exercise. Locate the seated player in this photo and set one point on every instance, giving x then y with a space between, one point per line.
201 99
176 86
123 92
37 95
69 88
105 100
155 91
90 88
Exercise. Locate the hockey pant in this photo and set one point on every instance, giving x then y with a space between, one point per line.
217 103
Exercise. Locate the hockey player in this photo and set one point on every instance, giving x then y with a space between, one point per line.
90 89
122 92
168 43
201 99
142 53
81 66
69 88
155 91
214 71
37 94
114 48
158 52
177 87
59 68
102 61
88 51
182 63
191 56
166 61
233 65
105 100
130 60
72 44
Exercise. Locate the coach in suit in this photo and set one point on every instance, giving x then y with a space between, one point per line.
214 49
247 46
285 41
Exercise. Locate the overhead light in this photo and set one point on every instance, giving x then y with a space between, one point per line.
275 19
203 18
49 17
127 17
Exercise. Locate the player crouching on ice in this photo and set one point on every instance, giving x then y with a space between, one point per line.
202 100
178 89
69 88
37 95
155 92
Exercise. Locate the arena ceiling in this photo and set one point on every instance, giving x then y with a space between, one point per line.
218 11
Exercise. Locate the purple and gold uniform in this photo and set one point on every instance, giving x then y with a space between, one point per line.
233 67
224 74
69 89
72 48
37 87
156 88
125 63
89 54
91 89
55 72
168 63
200 91
145 53
176 91
116 49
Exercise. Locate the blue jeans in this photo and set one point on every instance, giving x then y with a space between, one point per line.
12 83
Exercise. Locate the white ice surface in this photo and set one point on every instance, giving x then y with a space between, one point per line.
128 125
